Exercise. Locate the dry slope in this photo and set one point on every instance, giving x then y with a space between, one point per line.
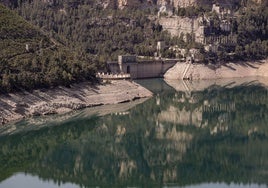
15 106
230 70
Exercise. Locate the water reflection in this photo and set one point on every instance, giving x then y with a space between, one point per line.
192 138
29 181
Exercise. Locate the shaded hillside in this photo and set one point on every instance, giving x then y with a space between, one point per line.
30 59
19 37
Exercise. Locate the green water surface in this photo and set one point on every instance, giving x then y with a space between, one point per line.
215 137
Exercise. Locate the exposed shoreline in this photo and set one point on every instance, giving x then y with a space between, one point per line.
189 86
16 106
189 71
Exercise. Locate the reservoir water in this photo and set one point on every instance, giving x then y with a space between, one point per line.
191 135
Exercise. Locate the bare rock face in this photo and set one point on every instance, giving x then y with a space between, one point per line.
261 2
203 3
121 4
182 3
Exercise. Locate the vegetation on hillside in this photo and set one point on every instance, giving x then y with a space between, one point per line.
29 59
102 32
250 27
252 32
82 35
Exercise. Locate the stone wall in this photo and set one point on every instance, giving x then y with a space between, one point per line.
147 69
143 69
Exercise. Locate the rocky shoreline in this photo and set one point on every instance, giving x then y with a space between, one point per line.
187 71
16 106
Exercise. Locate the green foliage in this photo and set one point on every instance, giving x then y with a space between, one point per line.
250 28
29 59
253 33
192 11
97 31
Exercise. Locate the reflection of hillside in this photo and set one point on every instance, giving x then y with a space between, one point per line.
44 121
169 146
219 108
200 85
215 135
183 117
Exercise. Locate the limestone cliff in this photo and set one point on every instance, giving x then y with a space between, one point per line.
183 3
177 25
121 4
128 3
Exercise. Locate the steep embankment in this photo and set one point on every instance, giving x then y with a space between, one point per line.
230 70
62 99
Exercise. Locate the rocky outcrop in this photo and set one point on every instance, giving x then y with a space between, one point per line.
177 25
142 3
15 106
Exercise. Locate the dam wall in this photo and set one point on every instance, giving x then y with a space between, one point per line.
143 68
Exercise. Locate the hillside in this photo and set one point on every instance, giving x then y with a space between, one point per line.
18 37
29 59
121 4
99 31
97 28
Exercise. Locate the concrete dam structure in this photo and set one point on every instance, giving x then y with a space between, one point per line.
128 64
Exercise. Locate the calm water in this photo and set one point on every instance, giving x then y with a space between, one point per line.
209 137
